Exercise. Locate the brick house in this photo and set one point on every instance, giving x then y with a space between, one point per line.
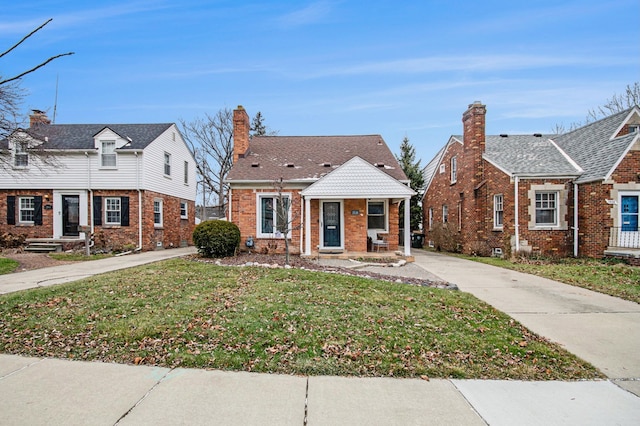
570 194
132 185
341 190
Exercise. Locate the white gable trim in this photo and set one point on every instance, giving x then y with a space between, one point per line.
633 111
624 154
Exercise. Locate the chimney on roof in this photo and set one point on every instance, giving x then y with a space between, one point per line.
38 117
474 137
241 127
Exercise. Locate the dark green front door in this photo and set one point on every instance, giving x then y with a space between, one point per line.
331 221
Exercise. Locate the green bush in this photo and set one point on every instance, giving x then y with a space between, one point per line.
216 238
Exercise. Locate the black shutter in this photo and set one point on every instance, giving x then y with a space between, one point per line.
11 210
97 211
124 211
37 210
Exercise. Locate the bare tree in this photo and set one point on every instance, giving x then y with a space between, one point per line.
211 140
285 220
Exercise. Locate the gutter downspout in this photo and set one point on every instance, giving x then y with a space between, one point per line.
517 217
407 226
90 195
230 204
139 248
575 220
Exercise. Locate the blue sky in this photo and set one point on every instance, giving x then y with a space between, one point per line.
395 68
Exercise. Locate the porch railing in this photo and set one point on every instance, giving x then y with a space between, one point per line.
620 237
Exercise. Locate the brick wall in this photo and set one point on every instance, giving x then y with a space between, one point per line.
175 231
28 230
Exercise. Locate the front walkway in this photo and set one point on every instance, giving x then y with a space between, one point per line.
600 329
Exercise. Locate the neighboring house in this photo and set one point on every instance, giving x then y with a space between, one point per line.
341 190
571 194
132 185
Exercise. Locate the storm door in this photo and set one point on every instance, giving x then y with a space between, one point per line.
331 224
70 215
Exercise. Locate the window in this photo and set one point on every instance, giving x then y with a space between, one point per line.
445 214
442 168
430 218
274 216
157 213
634 128
186 173
377 215
27 210
183 210
21 157
108 156
454 169
167 164
498 211
112 211
546 208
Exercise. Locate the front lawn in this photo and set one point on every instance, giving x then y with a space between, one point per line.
191 314
7 265
605 276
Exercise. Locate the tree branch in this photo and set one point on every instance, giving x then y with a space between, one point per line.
35 68
26 37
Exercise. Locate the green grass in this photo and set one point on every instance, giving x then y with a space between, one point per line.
7 265
74 257
609 277
191 314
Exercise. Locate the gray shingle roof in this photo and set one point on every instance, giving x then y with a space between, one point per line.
528 155
308 158
80 136
594 146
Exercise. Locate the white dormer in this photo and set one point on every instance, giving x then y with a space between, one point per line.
107 142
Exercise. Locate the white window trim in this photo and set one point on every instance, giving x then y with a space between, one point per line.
385 203
497 203
20 210
445 213
186 173
430 218
106 210
186 210
276 233
102 154
454 169
20 150
165 164
561 207
442 168
161 204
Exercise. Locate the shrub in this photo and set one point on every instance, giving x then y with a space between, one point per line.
216 238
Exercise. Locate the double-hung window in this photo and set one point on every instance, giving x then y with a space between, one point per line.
21 157
454 169
430 218
445 214
157 213
498 211
26 210
167 164
377 215
108 155
112 211
183 210
186 173
546 208
274 216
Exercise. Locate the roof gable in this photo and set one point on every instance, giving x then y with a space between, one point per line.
357 178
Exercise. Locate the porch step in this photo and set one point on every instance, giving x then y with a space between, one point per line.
44 247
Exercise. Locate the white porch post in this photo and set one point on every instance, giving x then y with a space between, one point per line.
307 226
407 226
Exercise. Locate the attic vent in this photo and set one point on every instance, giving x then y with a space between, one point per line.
379 164
504 135
537 135
255 164
289 165
326 164
379 141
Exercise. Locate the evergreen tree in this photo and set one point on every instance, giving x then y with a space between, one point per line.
257 125
412 169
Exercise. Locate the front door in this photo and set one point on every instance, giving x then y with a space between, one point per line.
70 215
629 232
331 224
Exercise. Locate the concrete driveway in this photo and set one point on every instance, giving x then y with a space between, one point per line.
600 329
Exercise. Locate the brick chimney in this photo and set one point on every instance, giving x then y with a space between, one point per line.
473 121
241 127
38 117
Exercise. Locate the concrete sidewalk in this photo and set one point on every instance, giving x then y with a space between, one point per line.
598 328
56 392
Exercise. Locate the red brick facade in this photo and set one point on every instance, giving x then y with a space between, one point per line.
470 202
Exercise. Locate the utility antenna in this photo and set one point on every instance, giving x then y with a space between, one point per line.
55 103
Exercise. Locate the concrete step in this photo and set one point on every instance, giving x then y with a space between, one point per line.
44 247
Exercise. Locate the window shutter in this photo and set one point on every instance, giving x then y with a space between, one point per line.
124 211
97 211
11 210
37 210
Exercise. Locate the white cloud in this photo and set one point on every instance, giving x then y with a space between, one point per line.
315 12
